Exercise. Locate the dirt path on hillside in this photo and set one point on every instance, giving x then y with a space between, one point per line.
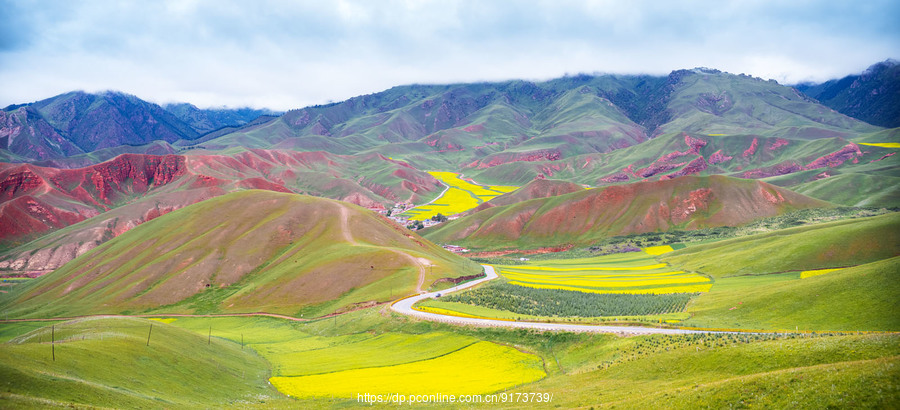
419 263
345 225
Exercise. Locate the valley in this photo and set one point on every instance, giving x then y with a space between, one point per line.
698 239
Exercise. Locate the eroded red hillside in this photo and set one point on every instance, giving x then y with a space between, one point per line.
688 202
35 200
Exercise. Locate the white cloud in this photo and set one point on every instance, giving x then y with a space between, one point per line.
288 54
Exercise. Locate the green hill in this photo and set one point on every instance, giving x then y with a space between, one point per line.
107 362
864 297
836 244
244 252
759 285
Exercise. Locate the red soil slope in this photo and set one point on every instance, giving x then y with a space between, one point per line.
538 188
133 188
36 199
583 217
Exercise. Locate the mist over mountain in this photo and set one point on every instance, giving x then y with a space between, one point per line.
873 96
211 119
492 122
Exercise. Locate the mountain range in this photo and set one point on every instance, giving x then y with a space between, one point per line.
83 168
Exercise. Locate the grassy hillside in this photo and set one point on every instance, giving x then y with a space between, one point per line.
583 370
864 297
106 362
244 252
700 371
855 189
590 215
836 244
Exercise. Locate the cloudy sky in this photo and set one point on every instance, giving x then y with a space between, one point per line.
290 54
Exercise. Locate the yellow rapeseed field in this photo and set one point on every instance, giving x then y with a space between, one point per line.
589 282
623 275
810 273
607 274
882 144
654 291
446 312
480 368
461 196
503 188
658 250
591 268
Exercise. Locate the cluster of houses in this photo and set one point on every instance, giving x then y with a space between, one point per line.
396 214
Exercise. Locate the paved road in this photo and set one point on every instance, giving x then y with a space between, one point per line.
404 306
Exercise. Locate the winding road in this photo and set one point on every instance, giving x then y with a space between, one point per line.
404 306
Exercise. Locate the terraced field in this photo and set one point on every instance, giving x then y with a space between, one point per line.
461 195
634 273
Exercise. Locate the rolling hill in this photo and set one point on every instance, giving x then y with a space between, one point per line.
829 245
109 363
36 200
244 252
687 202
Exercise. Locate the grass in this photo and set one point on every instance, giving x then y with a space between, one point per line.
301 358
855 189
461 196
827 245
324 353
582 369
815 372
858 298
249 251
106 362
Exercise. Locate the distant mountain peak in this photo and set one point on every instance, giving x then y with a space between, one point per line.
872 96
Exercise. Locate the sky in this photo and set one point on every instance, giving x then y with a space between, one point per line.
291 54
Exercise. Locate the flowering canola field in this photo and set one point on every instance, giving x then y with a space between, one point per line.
635 273
306 363
816 272
480 368
882 144
461 196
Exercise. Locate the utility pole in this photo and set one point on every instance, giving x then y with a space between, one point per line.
53 341
149 333
209 336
